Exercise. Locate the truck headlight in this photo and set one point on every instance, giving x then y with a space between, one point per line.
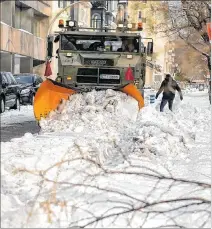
69 54
71 23
120 25
24 91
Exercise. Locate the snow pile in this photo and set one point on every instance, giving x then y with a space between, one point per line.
195 91
55 179
170 134
93 111
107 122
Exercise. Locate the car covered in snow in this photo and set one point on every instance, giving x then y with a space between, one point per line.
9 92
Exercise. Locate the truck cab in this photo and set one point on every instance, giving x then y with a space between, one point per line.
90 59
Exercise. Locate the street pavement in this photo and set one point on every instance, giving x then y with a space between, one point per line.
18 130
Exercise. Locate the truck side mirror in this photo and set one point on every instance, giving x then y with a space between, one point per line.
49 46
150 48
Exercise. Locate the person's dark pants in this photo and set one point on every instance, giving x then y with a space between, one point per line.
167 99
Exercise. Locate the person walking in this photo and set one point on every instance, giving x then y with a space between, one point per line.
168 86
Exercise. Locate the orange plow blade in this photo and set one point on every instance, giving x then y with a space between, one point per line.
48 96
131 90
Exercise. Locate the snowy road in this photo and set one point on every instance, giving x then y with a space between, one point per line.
16 123
10 117
16 130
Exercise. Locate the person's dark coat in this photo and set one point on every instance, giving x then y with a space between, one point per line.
169 86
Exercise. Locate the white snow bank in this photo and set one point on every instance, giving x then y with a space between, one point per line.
195 91
67 176
25 114
113 116
94 111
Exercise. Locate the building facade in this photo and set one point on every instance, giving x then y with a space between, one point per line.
24 26
169 57
141 14
76 11
137 14
103 13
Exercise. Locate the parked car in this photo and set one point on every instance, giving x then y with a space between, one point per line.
9 92
29 84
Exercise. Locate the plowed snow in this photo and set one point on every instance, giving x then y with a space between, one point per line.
104 128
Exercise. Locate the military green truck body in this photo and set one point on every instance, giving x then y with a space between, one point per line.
94 60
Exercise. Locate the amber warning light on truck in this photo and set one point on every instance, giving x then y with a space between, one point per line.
132 26
61 23
69 23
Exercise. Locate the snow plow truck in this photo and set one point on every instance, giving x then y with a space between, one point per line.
89 59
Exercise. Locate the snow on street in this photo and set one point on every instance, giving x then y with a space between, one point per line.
15 123
15 116
111 167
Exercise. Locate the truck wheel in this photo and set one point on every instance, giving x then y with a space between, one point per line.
2 105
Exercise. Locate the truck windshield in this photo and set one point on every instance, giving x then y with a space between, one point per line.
100 43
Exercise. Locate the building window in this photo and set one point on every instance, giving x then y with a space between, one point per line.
96 21
62 3
36 26
107 21
122 1
107 5
17 17
114 5
6 12
139 15
121 13
23 19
